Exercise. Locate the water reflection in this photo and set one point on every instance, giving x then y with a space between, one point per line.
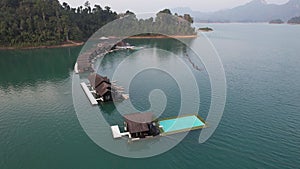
29 67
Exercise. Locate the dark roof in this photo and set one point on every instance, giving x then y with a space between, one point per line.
96 80
138 122
103 88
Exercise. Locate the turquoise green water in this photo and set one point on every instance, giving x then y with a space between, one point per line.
260 127
181 123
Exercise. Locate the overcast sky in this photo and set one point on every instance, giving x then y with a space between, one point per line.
141 6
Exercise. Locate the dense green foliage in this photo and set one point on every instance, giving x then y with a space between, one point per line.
47 22
295 20
163 24
26 23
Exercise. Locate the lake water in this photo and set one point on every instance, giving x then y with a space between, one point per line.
259 129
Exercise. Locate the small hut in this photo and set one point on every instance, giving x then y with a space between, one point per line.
141 125
102 86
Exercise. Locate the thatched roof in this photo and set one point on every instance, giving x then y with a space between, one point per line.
138 122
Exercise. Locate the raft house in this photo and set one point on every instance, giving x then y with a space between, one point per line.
100 89
85 61
139 126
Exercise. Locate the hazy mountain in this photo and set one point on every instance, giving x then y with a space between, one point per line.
254 11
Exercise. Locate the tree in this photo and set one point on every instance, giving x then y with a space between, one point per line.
188 18
47 22
87 4
107 8
129 13
166 11
295 20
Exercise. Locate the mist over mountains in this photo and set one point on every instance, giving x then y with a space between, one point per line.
254 11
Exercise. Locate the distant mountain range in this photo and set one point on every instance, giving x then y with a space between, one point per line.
254 11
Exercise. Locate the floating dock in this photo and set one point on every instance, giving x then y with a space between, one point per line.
89 94
117 133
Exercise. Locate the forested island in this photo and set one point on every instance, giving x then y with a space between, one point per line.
162 25
47 22
295 20
44 23
276 21
206 29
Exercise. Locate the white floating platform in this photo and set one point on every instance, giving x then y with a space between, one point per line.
117 134
89 94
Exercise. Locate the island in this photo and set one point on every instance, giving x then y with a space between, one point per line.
163 25
276 21
295 20
50 24
206 29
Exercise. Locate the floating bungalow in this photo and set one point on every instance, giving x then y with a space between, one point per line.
101 89
85 62
86 59
142 126
137 126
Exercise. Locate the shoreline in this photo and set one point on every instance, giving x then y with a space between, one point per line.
64 45
74 44
163 37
